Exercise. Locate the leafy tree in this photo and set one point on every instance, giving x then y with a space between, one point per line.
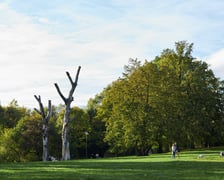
127 126
172 98
55 132
10 115
23 142
8 149
191 93
96 138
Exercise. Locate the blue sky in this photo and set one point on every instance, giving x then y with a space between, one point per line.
41 40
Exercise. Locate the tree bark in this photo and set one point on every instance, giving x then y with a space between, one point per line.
45 120
65 127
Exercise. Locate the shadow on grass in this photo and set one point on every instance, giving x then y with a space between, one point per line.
176 169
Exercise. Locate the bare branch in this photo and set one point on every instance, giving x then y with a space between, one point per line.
38 99
49 111
37 111
77 75
69 77
59 92
74 84
40 105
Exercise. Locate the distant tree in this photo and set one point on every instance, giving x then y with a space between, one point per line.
23 142
2 123
96 138
9 150
218 122
55 133
10 115
45 119
78 126
65 127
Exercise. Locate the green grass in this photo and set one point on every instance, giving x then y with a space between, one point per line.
155 166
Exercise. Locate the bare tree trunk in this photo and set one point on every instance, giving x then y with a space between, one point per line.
65 127
65 135
45 120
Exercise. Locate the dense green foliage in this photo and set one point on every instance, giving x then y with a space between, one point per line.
174 97
155 166
21 134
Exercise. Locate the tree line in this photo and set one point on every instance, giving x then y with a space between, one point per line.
22 134
172 98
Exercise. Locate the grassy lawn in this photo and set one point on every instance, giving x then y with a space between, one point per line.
155 166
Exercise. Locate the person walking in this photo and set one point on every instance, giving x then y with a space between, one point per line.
174 150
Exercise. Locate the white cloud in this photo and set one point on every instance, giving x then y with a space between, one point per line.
43 20
37 47
216 62
32 60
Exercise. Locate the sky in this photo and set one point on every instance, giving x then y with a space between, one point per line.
41 40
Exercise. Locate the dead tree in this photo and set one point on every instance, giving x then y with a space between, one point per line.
65 127
45 119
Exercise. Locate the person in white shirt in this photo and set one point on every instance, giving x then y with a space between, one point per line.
174 150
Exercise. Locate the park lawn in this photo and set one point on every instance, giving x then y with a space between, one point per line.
155 166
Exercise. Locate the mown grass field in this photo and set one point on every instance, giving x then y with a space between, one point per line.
156 166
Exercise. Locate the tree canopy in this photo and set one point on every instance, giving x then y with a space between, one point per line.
174 97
